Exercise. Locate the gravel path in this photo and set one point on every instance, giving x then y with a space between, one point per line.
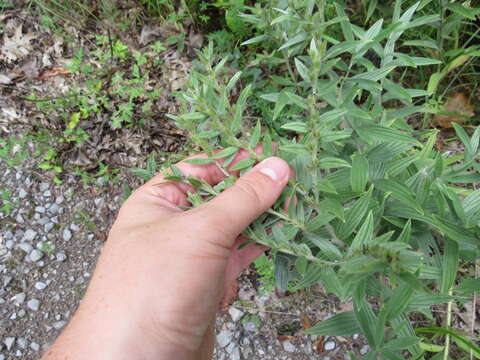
49 242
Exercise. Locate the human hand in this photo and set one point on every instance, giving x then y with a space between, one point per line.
163 271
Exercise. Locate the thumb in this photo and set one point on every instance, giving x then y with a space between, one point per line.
249 197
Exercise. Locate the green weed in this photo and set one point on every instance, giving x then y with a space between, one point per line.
381 216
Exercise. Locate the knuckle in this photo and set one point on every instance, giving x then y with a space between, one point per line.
249 189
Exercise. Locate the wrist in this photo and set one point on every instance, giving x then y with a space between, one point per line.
99 331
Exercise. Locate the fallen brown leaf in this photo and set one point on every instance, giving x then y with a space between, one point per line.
319 344
456 109
17 46
306 322
286 338
52 73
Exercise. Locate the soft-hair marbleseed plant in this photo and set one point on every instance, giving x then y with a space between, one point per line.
381 218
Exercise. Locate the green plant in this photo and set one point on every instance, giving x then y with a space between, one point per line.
114 84
265 268
149 172
380 216
255 319
7 204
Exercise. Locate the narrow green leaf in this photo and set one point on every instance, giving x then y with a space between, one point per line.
421 43
398 301
200 161
296 126
375 75
471 203
318 222
298 149
355 215
313 275
302 69
365 234
255 137
242 164
331 116
384 134
325 245
449 265
398 190
293 41
332 163
461 133
345 25
396 91
402 343
297 100
334 207
340 48
359 173
469 13
208 134
255 40
406 233
453 231
343 324
362 266
456 335
365 316
267 145
233 81
326 186
225 153
433 82
280 103
240 107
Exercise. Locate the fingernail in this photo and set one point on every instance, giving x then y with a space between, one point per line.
275 168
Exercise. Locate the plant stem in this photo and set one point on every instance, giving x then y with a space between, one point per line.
448 323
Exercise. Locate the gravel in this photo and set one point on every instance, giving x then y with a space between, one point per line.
39 285
235 313
19 298
9 341
67 234
288 347
364 350
60 257
33 304
329 345
36 255
30 235
224 338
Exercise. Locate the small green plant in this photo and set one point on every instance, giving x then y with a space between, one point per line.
85 220
255 319
47 247
7 205
150 171
380 216
265 268
13 150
